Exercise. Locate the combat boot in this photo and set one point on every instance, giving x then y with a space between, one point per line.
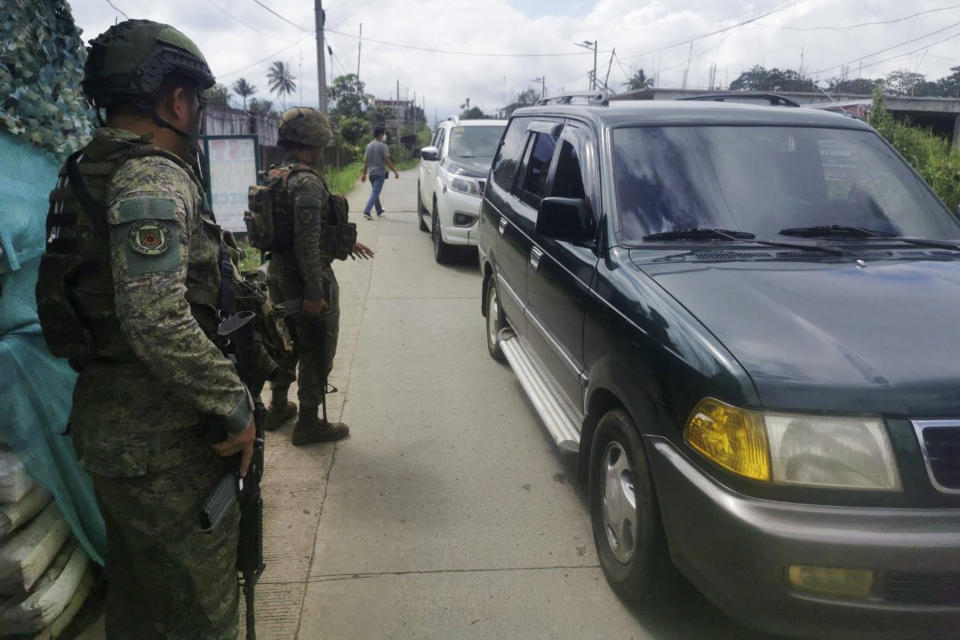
281 410
310 428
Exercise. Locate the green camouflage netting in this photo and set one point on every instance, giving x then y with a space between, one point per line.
41 66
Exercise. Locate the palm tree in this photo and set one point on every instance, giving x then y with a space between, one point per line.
244 89
281 80
639 81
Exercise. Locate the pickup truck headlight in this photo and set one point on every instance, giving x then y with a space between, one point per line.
468 186
817 451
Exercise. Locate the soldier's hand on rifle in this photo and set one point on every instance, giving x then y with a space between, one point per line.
361 251
239 442
314 308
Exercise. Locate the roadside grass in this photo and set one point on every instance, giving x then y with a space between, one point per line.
934 158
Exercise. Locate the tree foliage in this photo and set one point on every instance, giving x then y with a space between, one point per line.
758 78
349 96
244 89
217 96
352 129
260 107
528 97
639 81
281 80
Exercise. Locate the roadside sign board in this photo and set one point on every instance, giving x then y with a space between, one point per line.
232 165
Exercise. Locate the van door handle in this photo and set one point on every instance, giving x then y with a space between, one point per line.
502 225
535 254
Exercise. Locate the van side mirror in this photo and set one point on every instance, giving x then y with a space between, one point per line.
430 154
564 219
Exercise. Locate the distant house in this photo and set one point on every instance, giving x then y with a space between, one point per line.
227 121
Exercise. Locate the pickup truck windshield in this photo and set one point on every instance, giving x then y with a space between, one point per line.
762 180
474 142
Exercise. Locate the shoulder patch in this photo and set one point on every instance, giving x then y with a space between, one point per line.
145 209
149 238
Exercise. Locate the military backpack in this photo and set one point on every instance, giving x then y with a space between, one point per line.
270 221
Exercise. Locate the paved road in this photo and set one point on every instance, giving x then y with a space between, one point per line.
448 513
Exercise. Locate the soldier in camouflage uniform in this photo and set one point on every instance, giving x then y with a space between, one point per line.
301 269
129 290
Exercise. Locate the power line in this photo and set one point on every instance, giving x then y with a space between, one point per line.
862 24
118 10
290 22
236 18
896 46
286 48
478 54
670 45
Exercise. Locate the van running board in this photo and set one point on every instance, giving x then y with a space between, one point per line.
563 427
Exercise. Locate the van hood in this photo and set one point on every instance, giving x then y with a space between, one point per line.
827 336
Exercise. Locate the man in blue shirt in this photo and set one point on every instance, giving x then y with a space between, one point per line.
376 160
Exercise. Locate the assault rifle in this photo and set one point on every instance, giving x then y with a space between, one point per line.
295 306
236 334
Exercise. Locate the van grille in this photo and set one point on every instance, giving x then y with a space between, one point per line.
940 443
914 587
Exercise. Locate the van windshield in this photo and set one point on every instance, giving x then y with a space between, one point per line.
474 142
763 180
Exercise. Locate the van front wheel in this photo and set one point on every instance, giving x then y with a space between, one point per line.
627 529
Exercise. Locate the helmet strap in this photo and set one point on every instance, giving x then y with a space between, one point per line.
192 142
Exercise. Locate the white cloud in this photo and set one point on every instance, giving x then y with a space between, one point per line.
638 30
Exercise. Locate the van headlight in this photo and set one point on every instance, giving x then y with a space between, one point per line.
468 186
810 450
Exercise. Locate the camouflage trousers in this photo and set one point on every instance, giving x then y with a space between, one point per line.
315 340
166 577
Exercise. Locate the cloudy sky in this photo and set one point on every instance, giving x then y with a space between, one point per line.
443 51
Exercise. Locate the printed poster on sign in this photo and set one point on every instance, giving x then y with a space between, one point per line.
232 162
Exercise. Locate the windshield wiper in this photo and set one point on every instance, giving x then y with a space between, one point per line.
708 233
700 233
863 232
834 230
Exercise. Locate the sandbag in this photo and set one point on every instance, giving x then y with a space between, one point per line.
15 515
14 481
50 596
28 552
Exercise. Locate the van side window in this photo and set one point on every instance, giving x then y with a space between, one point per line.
536 168
568 178
508 157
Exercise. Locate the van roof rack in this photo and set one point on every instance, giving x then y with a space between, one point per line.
774 99
588 97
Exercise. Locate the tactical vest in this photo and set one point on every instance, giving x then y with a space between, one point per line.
270 218
75 292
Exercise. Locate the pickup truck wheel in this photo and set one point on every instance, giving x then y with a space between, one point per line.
627 530
495 320
442 252
421 211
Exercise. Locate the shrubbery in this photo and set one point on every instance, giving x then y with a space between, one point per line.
933 157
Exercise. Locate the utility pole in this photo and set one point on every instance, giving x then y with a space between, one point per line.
359 46
586 44
686 72
321 68
609 66
542 80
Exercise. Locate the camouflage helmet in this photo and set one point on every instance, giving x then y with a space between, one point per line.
128 62
304 126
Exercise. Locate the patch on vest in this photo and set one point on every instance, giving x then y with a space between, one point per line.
149 238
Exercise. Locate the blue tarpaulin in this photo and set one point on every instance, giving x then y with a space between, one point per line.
36 388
